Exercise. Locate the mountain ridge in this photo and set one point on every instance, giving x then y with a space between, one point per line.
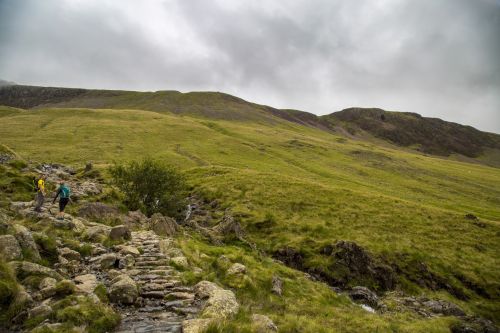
405 129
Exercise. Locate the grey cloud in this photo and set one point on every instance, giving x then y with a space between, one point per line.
439 58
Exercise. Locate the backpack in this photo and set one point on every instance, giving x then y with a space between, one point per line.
35 184
65 192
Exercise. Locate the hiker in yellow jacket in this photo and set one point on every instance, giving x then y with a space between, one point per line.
40 193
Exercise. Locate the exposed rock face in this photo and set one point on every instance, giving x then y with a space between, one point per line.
163 225
119 232
221 303
364 295
123 290
9 248
290 257
263 324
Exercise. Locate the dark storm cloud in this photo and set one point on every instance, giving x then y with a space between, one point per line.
436 57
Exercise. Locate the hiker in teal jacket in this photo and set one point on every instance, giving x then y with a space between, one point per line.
63 192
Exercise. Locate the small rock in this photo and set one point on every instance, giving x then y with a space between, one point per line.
47 282
364 295
9 248
180 262
263 324
123 290
221 303
107 260
120 232
86 283
69 254
128 249
237 269
277 285
195 325
41 311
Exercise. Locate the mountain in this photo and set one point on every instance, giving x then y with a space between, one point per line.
428 135
6 83
321 214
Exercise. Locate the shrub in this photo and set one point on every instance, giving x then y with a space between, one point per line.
151 186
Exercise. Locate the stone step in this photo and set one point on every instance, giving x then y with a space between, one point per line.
153 294
152 263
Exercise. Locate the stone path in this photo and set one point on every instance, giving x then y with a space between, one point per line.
163 302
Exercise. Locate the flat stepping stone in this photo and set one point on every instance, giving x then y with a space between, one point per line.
153 294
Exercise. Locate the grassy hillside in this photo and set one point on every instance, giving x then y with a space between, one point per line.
305 188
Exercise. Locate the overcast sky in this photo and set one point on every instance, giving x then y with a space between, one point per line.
439 58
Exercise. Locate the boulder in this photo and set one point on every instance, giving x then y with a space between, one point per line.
263 324
26 241
9 248
86 283
444 307
98 211
364 295
126 262
221 303
135 218
69 254
120 232
106 261
163 225
123 290
195 325
4 222
97 233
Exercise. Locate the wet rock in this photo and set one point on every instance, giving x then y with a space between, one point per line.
24 269
26 241
69 254
123 290
163 225
364 295
263 324
119 232
86 283
277 285
9 248
221 303
195 325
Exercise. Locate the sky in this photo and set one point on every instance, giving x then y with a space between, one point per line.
439 58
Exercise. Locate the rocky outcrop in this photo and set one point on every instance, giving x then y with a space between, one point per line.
24 269
364 295
98 211
9 248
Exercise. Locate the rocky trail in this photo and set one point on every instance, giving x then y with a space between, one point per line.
138 272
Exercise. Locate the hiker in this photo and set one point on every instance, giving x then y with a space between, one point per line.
63 192
40 193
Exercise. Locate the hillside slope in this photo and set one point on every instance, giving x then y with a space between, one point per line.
300 191
427 135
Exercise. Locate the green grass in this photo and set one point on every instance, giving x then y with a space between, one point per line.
301 187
